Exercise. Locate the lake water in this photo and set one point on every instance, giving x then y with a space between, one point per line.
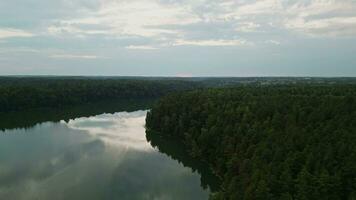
105 156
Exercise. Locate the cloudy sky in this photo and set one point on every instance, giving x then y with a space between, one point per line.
178 37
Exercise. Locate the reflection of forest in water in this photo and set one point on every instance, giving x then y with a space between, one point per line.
105 156
29 118
175 149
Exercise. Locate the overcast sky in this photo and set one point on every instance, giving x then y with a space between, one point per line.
178 37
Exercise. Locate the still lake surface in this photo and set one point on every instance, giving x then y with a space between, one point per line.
105 156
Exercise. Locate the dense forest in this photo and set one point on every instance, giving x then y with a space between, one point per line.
268 142
18 94
29 92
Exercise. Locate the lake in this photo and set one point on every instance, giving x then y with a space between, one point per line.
106 156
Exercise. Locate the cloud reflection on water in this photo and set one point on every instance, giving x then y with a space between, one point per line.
124 130
101 157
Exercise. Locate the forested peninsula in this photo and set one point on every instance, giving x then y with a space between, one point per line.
267 142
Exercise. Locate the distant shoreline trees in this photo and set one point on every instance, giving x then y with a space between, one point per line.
18 94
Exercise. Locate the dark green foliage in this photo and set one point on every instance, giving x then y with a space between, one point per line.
272 142
17 94
31 117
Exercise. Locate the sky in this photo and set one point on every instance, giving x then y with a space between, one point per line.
178 37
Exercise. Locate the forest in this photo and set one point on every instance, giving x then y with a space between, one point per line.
267 142
23 93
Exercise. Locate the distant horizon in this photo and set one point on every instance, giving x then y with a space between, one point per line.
147 76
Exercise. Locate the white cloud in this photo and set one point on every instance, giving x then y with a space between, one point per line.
263 7
134 17
197 23
67 29
206 22
19 50
323 17
311 17
141 47
248 27
10 33
209 43
275 42
74 56
338 26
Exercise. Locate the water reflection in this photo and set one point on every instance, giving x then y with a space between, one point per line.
101 157
174 148
123 129
27 119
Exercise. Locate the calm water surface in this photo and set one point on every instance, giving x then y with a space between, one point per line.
101 157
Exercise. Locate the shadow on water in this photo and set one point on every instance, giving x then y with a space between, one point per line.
175 149
29 118
144 174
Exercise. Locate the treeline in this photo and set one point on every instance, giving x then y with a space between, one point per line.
17 94
28 118
273 142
